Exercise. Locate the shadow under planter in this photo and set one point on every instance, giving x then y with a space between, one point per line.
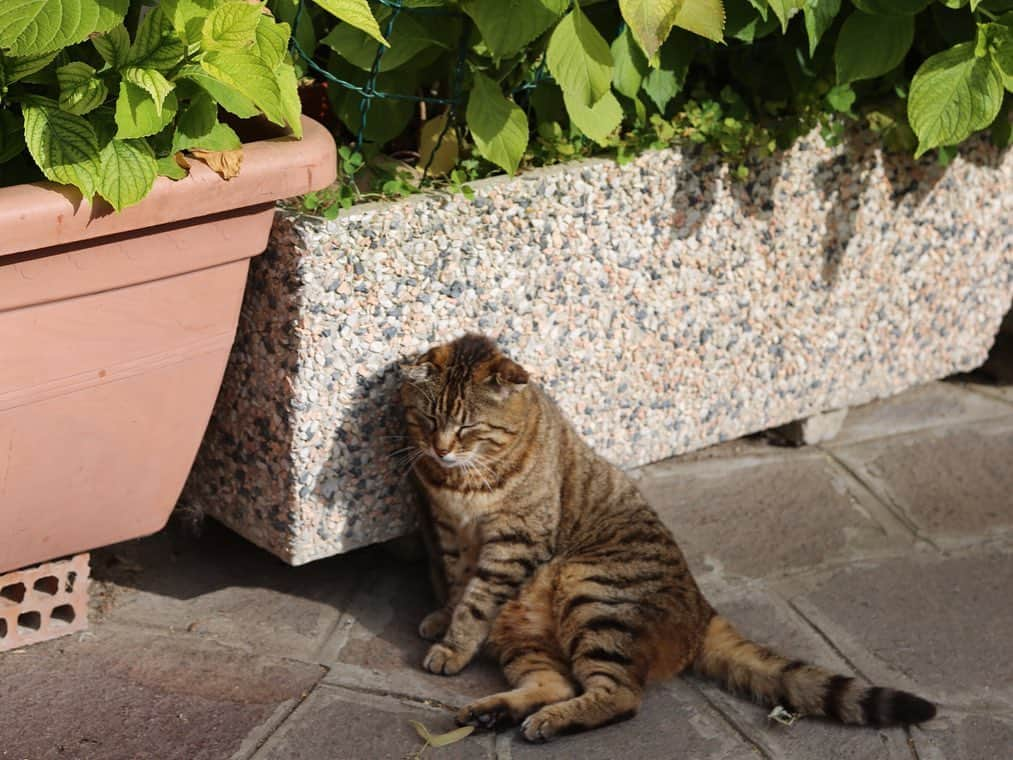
663 304
115 330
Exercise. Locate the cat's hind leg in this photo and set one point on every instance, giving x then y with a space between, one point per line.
524 639
612 692
601 629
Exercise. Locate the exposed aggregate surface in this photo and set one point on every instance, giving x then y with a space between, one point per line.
664 305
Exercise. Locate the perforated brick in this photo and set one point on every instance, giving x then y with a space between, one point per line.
43 602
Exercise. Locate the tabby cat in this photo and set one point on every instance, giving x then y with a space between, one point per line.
552 557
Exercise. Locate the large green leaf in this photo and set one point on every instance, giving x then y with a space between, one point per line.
220 137
892 7
597 122
195 122
630 64
650 21
869 46
231 26
156 45
270 41
63 145
169 167
244 72
80 90
819 15
291 105
356 13
498 126
703 17
113 46
128 171
229 99
785 10
14 68
1002 49
580 59
664 83
137 115
151 81
409 37
953 94
508 25
385 120
187 16
30 27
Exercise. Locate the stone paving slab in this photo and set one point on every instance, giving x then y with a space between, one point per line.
767 619
127 694
191 638
376 644
930 405
938 626
964 737
673 722
753 516
951 483
216 585
338 724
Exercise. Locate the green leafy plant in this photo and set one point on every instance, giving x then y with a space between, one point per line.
527 82
106 95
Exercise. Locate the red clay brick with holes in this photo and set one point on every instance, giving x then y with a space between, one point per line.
43 602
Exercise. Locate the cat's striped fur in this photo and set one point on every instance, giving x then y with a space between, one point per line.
553 558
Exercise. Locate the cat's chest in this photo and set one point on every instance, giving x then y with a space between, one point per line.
464 511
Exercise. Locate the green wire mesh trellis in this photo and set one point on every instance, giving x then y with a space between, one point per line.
369 92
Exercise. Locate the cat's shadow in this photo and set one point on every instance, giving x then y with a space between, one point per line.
191 576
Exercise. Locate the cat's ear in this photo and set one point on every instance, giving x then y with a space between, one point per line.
418 370
425 365
506 375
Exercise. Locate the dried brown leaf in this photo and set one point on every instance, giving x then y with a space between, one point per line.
225 162
440 155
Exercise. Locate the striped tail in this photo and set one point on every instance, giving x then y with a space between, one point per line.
746 668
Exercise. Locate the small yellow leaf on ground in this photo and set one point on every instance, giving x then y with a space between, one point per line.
441 156
442 740
422 731
225 162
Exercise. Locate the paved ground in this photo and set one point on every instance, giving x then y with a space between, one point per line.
887 553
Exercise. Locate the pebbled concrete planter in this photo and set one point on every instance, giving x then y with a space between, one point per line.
665 306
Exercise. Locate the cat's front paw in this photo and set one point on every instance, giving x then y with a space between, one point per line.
543 725
444 660
434 625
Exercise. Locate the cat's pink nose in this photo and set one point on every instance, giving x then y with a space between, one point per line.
441 452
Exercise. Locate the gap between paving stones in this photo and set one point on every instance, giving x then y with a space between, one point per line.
728 720
894 510
303 725
260 735
865 660
857 459
992 393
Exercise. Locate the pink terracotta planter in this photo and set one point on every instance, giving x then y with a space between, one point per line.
114 334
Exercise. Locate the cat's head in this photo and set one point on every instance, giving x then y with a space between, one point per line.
464 401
